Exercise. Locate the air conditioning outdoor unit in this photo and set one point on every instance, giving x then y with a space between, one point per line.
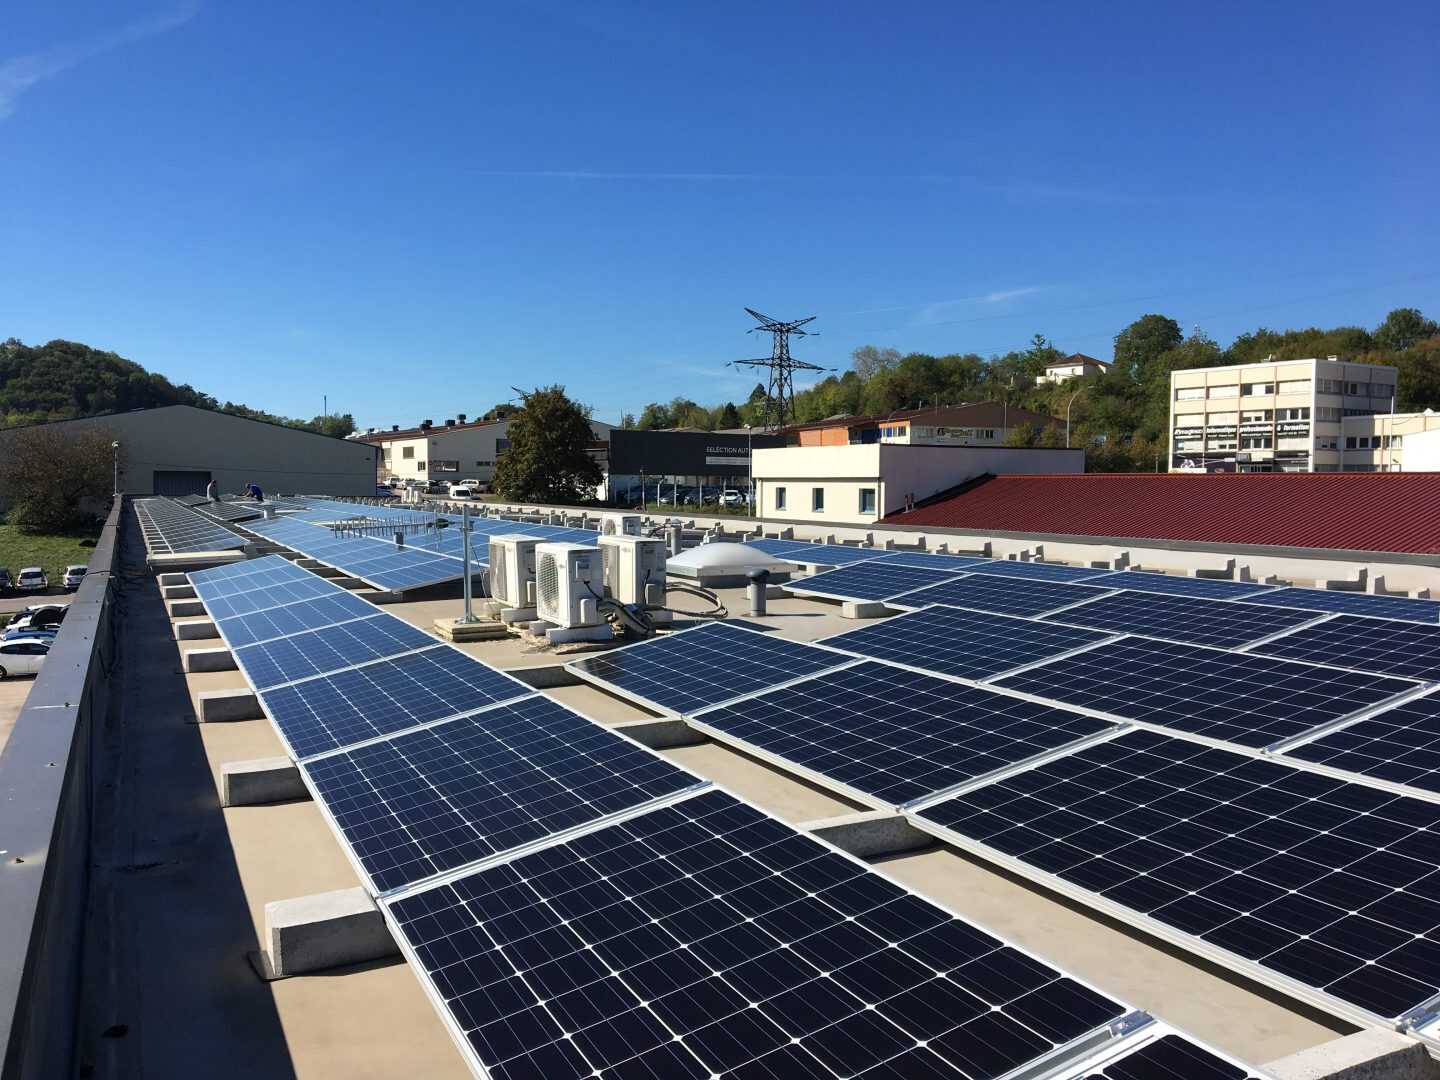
620 525
567 584
634 569
512 569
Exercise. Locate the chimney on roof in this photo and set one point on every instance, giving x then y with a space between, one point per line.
449 423
394 427
427 424
460 418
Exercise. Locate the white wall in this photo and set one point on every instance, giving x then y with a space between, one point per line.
893 471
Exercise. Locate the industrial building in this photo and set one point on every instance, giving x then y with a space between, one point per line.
981 423
1317 415
675 464
457 449
863 482
179 449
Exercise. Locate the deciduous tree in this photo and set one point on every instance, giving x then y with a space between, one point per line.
548 459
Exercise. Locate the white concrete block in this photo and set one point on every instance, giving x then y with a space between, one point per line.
660 734
221 659
1366 1055
260 781
195 629
218 706
326 930
863 609
870 833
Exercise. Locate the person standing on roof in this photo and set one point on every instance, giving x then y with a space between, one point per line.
212 492
253 490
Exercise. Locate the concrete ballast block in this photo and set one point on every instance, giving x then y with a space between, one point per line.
545 676
180 609
195 630
863 609
209 660
260 781
218 706
1366 1055
177 592
172 579
326 930
870 833
660 734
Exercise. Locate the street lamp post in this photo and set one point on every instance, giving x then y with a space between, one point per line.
115 465
750 466
1073 396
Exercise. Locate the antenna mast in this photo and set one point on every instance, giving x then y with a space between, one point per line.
780 397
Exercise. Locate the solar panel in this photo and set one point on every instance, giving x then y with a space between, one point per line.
697 668
1387 646
1169 1057
376 561
432 800
241 630
169 528
1192 619
868 581
931 561
387 696
1150 581
328 648
276 571
704 939
265 596
775 547
1001 595
896 735
830 554
231 511
1330 884
245 567
965 644
1354 603
1250 700
1038 571
1401 745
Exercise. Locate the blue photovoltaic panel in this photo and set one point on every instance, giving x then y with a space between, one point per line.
958 563
327 649
283 574
1387 646
775 547
1226 624
170 528
1149 581
1250 700
1327 882
1003 596
215 577
1354 603
260 598
694 669
966 644
897 735
704 939
433 800
1037 571
869 581
1401 745
1170 1057
387 696
240 630
830 554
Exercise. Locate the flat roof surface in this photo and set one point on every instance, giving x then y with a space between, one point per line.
189 881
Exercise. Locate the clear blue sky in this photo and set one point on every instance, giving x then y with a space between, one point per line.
411 207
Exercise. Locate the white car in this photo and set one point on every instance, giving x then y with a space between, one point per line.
32 579
731 497
37 615
22 656
73 576
462 491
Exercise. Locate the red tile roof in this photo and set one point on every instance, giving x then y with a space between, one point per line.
1395 512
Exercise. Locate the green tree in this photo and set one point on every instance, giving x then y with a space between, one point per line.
729 416
627 421
337 425
1403 328
1022 435
867 360
502 411
50 477
655 416
1144 341
548 459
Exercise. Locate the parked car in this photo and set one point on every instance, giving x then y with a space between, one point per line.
38 632
732 497
38 615
73 576
384 491
32 579
22 657
7 583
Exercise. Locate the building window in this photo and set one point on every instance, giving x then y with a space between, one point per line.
419 466
1352 443
1327 442
484 464
1295 386
1358 389
817 500
1190 393
1256 442
501 445
407 452
867 500
1292 414
1327 386
779 498
447 466
1255 416
987 433
1255 389
1225 391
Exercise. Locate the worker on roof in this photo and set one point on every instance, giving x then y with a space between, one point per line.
212 492
253 490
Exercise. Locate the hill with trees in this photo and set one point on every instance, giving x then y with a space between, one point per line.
1121 417
63 380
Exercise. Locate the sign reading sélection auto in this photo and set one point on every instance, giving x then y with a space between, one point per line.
684 453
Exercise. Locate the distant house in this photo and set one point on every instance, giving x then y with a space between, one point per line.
980 423
1071 367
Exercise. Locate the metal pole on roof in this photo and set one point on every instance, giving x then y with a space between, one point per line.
469 615
1073 396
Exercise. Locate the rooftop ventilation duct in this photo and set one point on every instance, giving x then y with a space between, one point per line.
460 418
449 423
427 423
394 427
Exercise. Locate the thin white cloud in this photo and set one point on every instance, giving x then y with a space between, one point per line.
19 74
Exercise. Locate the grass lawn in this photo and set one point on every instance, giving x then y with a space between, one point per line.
54 551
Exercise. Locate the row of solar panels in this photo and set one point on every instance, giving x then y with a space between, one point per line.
1326 886
577 906
914 579
171 528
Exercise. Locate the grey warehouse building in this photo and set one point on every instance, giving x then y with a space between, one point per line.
178 449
